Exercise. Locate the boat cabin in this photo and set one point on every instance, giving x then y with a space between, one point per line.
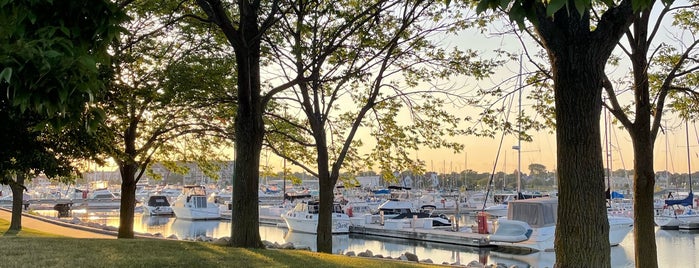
313 207
537 212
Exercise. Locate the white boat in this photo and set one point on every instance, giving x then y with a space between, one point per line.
304 218
531 225
676 212
157 205
192 204
398 209
100 199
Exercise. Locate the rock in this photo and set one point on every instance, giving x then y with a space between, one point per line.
475 264
303 248
426 261
369 253
287 245
110 228
388 257
403 257
268 244
200 238
445 263
221 241
276 245
172 236
350 253
378 256
411 257
362 254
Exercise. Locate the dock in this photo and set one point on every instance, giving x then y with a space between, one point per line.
439 235
445 234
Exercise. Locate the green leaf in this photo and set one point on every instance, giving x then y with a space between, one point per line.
554 6
6 74
581 6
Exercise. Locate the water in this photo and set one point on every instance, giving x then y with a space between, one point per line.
675 248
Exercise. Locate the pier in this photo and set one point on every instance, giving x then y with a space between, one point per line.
390 229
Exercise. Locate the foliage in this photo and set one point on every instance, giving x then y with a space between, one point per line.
53 55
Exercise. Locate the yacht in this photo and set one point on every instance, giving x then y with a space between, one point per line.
99 199
398 209
192 204
304 218
157 205
531 225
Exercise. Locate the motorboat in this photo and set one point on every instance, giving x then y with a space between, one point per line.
395 209
157 205
99 199
531 225
304 218
192 204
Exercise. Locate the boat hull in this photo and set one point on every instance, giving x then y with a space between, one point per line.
205 213
158 210
308 223
542 239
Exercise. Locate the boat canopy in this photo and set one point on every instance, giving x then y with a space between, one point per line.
537 212
687 201
158 201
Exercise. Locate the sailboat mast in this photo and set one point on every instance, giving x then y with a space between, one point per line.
519 131
689 162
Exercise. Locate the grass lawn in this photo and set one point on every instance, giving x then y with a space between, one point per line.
30 248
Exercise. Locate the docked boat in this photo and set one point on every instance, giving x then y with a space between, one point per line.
192 204
531 225
304 218
157 205
99 199
398 209
676 212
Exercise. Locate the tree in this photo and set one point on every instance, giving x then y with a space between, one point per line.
578 52
51 58
252 21
667 72
158 104
349 57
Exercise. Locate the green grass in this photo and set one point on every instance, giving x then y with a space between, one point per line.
26 232
30 248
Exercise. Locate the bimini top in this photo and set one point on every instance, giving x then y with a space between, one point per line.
537 212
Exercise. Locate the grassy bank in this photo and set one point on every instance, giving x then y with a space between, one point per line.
31 248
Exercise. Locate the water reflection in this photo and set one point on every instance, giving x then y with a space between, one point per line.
675 249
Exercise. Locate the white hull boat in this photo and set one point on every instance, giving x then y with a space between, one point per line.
193 205
304 218
531 225
157 205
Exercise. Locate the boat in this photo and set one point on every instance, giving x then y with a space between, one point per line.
99 199
679 211
304 218
192 204
531 225
157 205
676 212
394 209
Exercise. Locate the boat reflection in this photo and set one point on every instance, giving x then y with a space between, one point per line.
341 242
184 229
521 259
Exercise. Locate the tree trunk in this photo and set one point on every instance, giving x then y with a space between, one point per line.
578 55
643 187
245 224
249 132
643 143
128 200
324 238
582 230
17 202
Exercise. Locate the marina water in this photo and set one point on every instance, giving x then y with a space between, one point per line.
675 248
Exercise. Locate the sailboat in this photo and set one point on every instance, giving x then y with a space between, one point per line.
679 211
